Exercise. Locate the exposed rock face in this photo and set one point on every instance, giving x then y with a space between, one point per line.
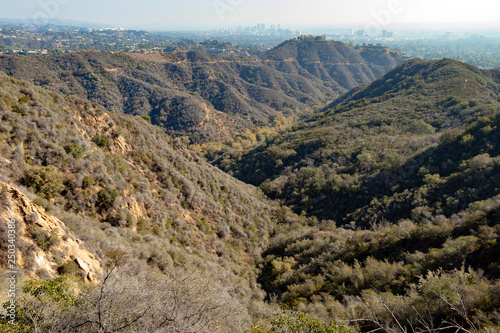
45 247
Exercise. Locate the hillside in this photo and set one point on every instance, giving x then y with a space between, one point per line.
403 177
337 62
341 159
45 246
430 257
393 223
206 96
120 184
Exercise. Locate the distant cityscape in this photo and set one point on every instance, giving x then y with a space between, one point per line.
479 49
278 30
262 29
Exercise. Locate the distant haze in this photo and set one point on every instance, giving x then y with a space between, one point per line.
209 14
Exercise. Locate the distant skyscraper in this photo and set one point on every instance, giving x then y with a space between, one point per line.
360 33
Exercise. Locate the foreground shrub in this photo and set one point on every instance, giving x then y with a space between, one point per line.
129 299
297 322
46 181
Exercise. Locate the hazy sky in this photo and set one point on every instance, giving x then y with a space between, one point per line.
195 14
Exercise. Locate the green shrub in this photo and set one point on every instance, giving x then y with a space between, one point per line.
87 181
106 198
43 238
7 101
74 149
17 109
147 118
290 322
101 140
43 203
118 162
46 181
24 100
58 289
421 127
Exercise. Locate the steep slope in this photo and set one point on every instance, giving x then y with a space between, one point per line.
202 94
435 80
323 165
337 63
443 180
44 244
420 246
416 170
121 184
441 257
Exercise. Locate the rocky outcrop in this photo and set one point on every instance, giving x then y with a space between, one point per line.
45 247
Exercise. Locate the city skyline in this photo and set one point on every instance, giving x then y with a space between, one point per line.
210 14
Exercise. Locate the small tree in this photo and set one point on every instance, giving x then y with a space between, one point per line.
101 140
46 181
74 149
106 198
297 322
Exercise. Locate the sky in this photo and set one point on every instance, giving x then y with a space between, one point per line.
209 14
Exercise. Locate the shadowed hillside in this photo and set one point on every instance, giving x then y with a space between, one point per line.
393 192
207 96
324 165
410 167
429 257
120 184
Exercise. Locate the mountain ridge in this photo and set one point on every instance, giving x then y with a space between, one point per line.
371 130
396 190
177 89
